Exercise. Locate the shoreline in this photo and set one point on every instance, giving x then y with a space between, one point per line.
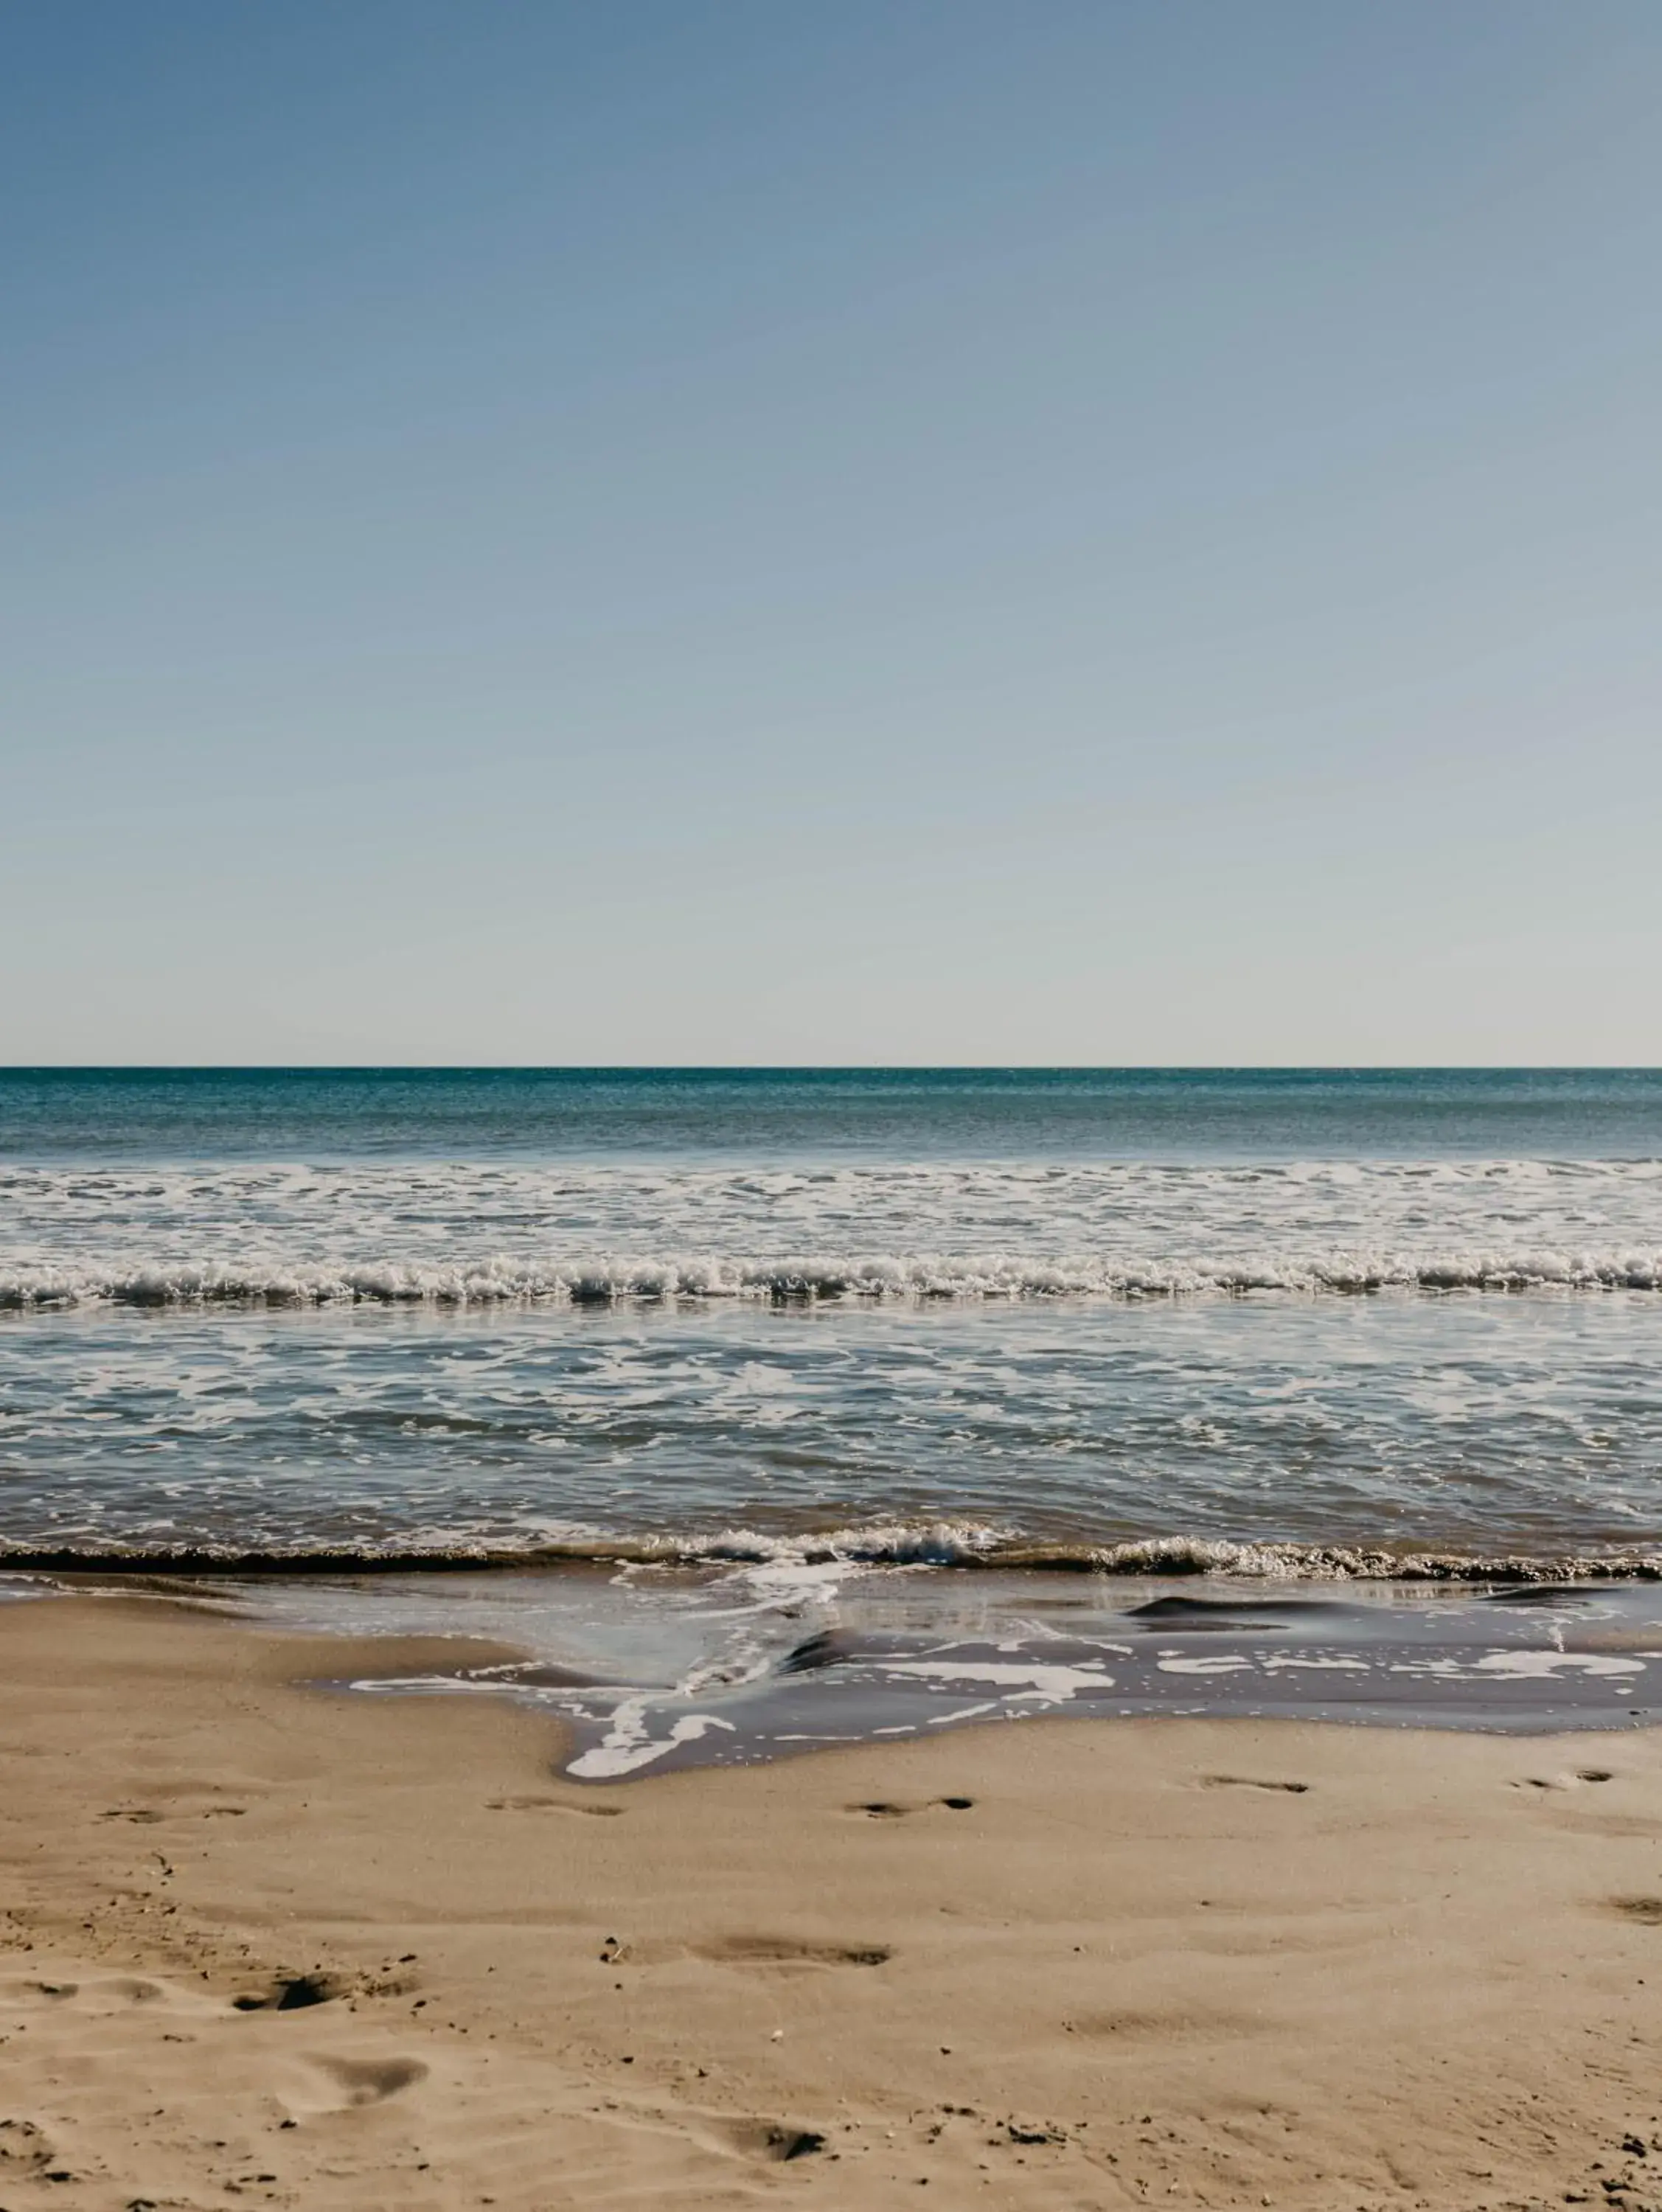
1176 1558
746 1663
1195 1961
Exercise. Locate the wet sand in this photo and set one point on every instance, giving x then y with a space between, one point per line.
268 1942
737 1667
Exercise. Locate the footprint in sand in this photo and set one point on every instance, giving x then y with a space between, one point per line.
26 2150
552 1805
146 1816
786 1951
882 1808
774 2141
292 1993
367 2081
1568 1781
101 1996
1252 1782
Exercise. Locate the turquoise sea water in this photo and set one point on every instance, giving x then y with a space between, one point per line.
1088 1113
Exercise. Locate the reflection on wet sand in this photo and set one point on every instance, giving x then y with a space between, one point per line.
658 1670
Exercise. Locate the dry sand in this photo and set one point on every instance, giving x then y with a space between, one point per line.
1062 1963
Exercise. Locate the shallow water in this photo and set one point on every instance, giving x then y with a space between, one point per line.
652 1668
1319 1324
1475 1424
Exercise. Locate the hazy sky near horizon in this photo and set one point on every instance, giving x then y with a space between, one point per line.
771 531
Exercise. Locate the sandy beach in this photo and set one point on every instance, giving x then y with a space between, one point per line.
274 1941
831 1108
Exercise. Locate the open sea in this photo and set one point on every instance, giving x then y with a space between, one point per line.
792 1349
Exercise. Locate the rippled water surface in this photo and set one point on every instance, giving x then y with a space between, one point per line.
914 1317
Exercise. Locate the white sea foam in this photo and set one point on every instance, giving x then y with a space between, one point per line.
1539 1666
629 1744
991 1362
424 1234
490 1235
774 1576
264 1279
1018 1682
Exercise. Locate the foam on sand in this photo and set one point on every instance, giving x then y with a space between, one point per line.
1039 1965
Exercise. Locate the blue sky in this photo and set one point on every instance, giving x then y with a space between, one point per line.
929 531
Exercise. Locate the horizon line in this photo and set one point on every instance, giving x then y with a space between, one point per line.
784 1068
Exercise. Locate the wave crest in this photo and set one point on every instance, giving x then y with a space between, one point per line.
872 1278
942 1546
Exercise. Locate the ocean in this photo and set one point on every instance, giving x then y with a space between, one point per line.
713 1342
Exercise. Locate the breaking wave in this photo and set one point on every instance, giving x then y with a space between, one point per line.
871 1277
456 1234
943 1546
